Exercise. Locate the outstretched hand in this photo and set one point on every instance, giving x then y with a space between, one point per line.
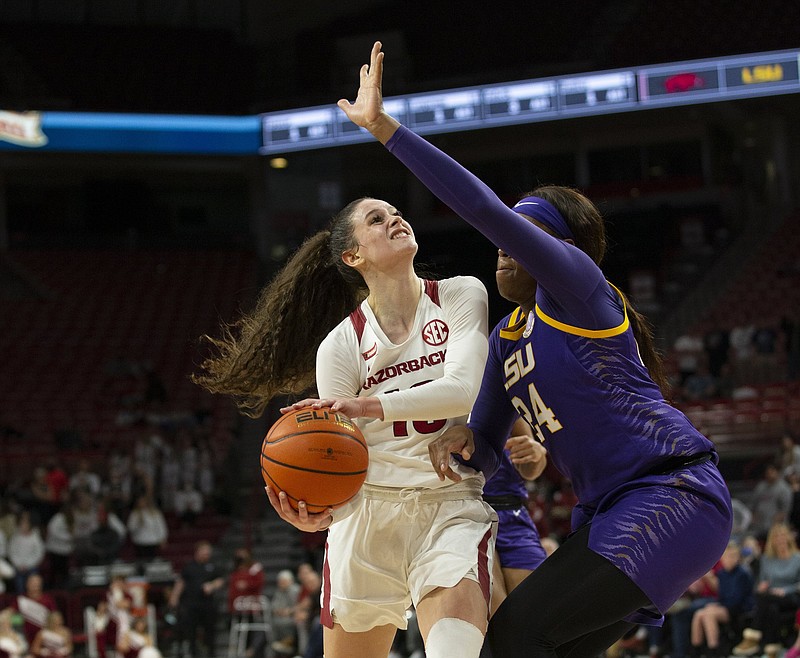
367 111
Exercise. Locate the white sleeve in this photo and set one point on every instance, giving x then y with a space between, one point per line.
466 308
338 375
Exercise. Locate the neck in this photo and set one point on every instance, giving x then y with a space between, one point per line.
394 301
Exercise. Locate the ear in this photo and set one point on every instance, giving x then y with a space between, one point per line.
351 258
570 241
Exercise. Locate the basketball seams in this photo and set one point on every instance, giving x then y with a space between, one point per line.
344 435
311 507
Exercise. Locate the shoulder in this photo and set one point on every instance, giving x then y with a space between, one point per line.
462 294
460 285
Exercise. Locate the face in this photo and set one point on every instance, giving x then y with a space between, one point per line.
513 282
384 238
730 558
203 553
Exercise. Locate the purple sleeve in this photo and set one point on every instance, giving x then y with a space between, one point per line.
563 271
492 416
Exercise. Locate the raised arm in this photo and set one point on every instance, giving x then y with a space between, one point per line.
560 268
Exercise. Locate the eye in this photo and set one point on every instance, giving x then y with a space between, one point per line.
375 219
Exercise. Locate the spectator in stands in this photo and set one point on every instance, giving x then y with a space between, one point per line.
39 497
57 481
193 596
188 503
147 527
688 350
104 543
741 339
717 343
735 597
789 455
136 641
247 577
60 545
170 477
118 607
205 473
34 606
778 590
284 600
90 517
306 617
701 384
25 550
54 640
141 482
84 478
764 339
12 643
771 502
245 586
116 493
9 511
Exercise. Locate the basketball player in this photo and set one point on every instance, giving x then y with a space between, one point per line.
406 363
654 513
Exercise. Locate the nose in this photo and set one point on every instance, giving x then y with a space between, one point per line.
501 253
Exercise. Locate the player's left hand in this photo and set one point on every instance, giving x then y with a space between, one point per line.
454 440
525 449
301 518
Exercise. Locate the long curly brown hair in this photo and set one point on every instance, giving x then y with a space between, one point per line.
272 349
588 229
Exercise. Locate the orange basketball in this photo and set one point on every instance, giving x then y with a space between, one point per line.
315 455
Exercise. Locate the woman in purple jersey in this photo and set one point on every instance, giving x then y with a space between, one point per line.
654 513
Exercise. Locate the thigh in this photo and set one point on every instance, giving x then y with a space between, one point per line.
573 593
464 601
365 569
374 643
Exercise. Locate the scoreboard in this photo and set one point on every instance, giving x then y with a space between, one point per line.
527 101
467 108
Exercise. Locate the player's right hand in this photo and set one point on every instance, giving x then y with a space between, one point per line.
300 518
454 440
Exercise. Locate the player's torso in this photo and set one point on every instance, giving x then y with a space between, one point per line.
399 449
592 405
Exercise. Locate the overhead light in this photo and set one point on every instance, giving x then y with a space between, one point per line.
278 163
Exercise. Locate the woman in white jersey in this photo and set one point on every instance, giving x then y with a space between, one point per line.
404 356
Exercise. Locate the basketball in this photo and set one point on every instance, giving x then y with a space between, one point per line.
315 455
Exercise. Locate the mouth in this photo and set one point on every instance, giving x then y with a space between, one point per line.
504 267
402 233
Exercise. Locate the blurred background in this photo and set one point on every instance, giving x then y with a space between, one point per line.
117 254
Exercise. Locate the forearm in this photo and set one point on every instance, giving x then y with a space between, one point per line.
532 470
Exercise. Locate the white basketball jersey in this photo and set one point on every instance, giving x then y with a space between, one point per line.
426 384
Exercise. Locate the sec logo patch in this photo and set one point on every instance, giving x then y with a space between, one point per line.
435 332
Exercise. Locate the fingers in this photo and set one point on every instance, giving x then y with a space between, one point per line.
314 403
300 518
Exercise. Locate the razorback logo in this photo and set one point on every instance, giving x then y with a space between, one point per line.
435 332
412 365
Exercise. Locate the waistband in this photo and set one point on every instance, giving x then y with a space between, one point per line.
505 502
677 463
469 488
